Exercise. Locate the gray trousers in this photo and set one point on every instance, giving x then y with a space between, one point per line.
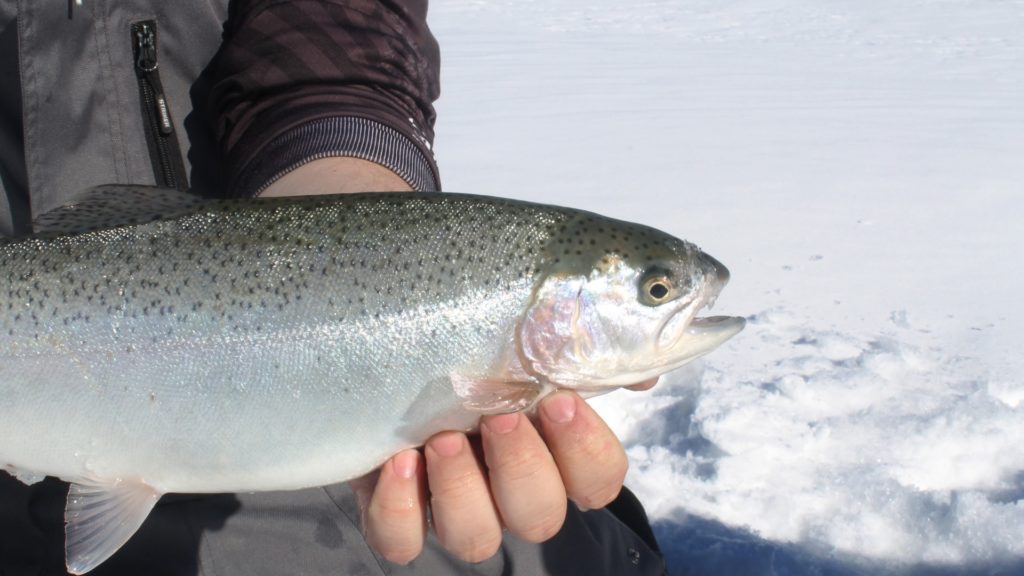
310 532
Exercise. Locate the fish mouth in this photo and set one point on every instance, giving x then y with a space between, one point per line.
685 336
715 328
710 331
698 335
701 336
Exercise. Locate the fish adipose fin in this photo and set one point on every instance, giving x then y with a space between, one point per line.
105 207
101 517
494 396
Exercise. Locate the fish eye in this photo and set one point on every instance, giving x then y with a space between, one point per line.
656 288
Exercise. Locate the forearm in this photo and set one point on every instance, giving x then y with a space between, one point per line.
336 175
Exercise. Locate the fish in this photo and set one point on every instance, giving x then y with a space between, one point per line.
152 341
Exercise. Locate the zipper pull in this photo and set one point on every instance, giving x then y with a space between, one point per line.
147 63
145 44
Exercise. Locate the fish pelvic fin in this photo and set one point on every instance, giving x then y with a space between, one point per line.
496 396
101 517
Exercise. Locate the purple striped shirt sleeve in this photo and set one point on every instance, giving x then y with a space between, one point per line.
299 80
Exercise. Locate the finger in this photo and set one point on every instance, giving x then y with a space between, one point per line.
395 520
645 385
363 489
525 481
589 456
465 519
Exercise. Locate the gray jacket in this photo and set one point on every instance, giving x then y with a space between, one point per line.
70 110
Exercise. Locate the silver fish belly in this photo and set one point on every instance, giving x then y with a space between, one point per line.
279 344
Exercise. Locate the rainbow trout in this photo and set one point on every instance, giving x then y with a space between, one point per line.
153 342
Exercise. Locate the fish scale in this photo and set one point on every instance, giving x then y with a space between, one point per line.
236 257
152 342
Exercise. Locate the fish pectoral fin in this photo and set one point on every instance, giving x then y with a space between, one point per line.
101 517
495 396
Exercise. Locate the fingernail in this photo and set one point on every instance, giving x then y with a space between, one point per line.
447 445
559 408
502 424
405 463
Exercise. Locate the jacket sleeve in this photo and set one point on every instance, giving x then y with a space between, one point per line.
299 80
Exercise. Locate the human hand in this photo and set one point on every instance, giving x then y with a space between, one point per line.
516 475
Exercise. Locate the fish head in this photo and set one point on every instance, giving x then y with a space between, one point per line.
617 303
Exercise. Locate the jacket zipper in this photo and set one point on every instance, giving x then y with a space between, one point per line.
164 151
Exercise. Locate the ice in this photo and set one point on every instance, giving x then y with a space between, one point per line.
858 167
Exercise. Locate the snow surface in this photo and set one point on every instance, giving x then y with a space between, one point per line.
859 166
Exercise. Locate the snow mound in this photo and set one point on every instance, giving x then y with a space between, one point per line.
865 449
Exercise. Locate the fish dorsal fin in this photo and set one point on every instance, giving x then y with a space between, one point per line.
496 396
101 517
114 205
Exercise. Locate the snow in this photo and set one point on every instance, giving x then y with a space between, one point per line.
858 166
